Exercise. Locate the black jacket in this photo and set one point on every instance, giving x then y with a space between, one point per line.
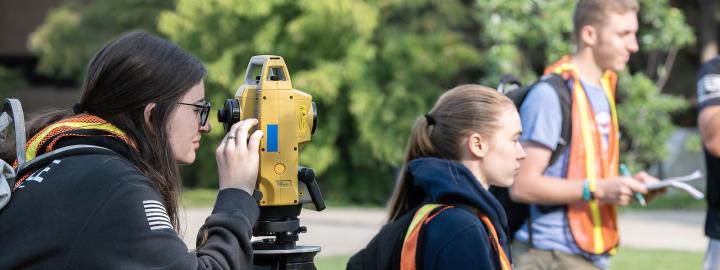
101 212
455 238
709 96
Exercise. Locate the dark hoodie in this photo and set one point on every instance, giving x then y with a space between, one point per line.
97 211
455 238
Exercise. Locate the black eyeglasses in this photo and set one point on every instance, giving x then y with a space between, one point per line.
204 111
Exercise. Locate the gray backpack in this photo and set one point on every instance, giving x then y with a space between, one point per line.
12 113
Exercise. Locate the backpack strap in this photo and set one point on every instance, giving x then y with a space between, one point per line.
559 84
12 111
504 260
44 159
494 238
424 215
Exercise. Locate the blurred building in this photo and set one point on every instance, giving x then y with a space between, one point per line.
18 19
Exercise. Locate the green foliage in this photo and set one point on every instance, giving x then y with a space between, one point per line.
694 144
522 37
73 32
645 123
327 47
422 50
373 67
664 27
9 80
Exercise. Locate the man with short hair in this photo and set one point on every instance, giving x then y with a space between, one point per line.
573 218
708 91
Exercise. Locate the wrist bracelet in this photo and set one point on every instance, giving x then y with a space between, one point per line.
586 195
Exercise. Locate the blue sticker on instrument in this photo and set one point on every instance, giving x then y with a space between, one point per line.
272 138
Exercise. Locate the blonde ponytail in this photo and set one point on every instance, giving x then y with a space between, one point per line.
459 111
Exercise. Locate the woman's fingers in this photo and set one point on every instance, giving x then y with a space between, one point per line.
238 157
231 139
254 143
243 129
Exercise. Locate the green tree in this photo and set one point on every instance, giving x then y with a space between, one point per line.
374 66
73 32
10 79
327 45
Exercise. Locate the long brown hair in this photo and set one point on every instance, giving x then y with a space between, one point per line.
127 74
459 111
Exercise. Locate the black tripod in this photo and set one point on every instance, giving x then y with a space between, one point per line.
281 223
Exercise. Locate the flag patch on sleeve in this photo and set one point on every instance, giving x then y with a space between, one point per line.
157 216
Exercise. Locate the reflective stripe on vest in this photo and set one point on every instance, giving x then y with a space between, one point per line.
422 217
593 225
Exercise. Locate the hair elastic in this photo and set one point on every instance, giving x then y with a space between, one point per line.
430 120
77 108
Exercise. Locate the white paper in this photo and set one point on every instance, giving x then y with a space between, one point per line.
680 182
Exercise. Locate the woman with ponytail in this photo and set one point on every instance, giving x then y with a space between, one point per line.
143 99
441 213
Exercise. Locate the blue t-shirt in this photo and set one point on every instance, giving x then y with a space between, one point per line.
541 119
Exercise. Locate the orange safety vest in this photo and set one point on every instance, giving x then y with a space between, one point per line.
593 224
81 125
422 217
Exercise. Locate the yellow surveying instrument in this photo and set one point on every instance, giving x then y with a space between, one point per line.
288 118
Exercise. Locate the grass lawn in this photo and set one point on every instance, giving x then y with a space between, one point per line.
626 259
641 259
196 197
331 262
201 197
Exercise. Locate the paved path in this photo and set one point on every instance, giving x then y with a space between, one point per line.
662 229
344 231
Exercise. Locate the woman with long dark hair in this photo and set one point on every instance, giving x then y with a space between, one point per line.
144 99
441 213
